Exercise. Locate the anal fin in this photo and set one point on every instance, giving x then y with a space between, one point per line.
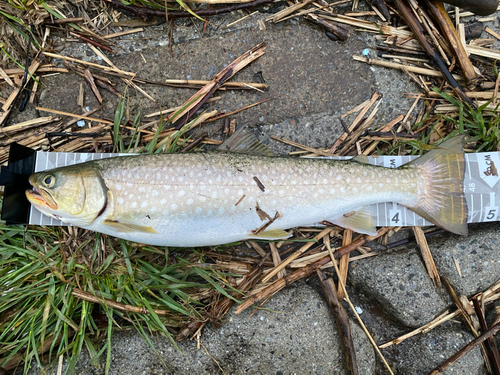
272 234
128 228
360 221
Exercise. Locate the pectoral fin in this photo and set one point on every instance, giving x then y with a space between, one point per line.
273 234
360 221
128 228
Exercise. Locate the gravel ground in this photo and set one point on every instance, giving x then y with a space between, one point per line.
312 81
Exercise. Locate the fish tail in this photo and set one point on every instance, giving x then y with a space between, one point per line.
441 198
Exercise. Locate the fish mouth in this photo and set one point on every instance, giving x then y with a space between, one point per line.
41 198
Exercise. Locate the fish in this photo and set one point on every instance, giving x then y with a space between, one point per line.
242 192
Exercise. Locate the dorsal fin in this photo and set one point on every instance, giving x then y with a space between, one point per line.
363 159
245 144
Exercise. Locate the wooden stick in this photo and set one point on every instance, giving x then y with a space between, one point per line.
441 16
467 348
342 321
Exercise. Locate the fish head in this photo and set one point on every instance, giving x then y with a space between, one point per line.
74 194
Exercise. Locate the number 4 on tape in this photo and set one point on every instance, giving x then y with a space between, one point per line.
395 215
491 211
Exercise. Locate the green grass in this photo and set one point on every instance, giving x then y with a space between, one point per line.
42 267
481 128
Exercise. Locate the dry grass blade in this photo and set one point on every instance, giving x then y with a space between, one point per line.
116 305
74 115
444 317
56 56
414 69
298 145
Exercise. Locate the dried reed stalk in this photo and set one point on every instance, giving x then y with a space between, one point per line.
426 255
295 255
344 263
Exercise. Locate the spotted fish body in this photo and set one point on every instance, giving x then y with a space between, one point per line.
212 198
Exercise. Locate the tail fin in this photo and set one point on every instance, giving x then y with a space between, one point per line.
442 200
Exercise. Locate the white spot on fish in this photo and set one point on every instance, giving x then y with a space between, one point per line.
358 180
118 186
133 205
181 179
198 210
348 179
144 204
189 201
129 184
153 209
214 195
202 198
226 190
281 192
355 189
332 191
181 193
142 189
380 185
209 212
294 182
339 177
174 206
221 210
342 189
120 200
130 196
369 187
163 201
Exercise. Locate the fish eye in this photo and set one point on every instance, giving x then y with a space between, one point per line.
49 180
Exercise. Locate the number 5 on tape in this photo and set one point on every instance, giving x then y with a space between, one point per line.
491 211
